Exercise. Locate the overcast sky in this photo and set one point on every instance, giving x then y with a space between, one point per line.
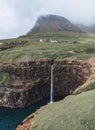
17 17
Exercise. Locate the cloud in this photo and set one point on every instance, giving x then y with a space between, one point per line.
76 10
17 17
15 20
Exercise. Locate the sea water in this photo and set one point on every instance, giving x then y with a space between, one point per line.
10 118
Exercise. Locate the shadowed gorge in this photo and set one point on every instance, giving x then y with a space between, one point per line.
28 82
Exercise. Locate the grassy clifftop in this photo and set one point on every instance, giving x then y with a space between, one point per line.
72 113
75 45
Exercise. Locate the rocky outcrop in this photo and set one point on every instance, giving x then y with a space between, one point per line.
17 97
27 123
30 81
8 45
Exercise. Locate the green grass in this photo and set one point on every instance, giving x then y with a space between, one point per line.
86 88
34 50
73 113
46 50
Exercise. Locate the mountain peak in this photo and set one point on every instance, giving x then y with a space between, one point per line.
53 23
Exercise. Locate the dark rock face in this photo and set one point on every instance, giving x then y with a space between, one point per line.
53 23
30 81
69 75
21 97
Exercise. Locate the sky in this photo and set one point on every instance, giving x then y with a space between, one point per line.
17 17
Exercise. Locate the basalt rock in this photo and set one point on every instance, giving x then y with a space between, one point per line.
30 81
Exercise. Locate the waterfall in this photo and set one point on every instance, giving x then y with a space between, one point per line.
51 87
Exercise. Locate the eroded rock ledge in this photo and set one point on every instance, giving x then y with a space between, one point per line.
28 82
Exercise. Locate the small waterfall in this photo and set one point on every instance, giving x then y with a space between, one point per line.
51 87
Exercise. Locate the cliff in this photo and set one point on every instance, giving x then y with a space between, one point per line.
24 83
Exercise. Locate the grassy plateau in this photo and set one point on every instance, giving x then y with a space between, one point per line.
74 45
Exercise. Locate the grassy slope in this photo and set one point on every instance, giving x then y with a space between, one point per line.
72 113
34 50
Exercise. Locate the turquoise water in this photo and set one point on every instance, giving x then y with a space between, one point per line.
10 118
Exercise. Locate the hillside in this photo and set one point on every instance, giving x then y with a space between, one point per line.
92 28
72 113
88 29
53 24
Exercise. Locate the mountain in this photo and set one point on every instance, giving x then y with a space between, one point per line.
92 28
88 29
53 23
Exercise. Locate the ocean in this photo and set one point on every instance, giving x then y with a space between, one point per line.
11 118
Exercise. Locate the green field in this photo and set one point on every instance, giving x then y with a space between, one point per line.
74 45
